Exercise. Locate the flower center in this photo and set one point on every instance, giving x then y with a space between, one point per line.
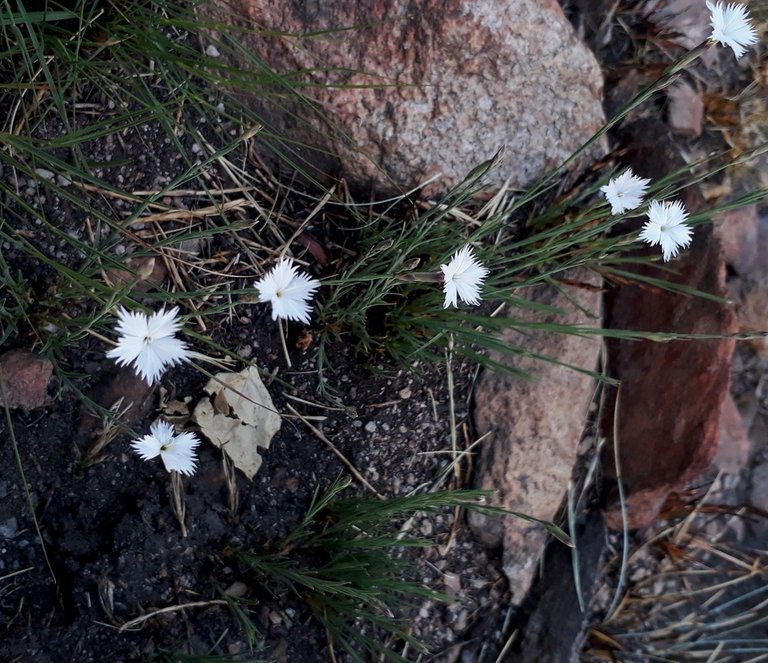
148 339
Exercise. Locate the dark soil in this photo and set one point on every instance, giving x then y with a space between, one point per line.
115 548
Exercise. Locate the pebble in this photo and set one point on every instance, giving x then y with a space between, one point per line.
370 427
212 52
44 173
9 528
460 622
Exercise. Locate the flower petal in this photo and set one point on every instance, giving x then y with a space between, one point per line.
288 291
463 277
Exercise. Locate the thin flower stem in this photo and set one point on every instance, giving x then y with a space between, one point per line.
622 507
177 501
452 409
135 623
283 342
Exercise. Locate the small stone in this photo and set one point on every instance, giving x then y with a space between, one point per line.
738 232
44 173
237 590
63 181
452 583
460 621
9 528
211 51
405 393
196 149
26 377
426 527
686 110
275 618
733 446
370 427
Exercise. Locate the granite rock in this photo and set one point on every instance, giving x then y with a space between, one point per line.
403 91
535 425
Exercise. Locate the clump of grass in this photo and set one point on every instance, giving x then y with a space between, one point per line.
340 560
705 600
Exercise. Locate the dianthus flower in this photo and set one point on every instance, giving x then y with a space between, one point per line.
176 451
462 277
288 291
148 342
666 226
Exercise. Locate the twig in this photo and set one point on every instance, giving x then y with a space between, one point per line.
622 506
199 213
177 501
329 637
320 204
171 608
341 456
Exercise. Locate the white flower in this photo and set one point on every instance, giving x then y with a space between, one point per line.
177 451
463 276
731 26
666 226
148 342
288 291
625 192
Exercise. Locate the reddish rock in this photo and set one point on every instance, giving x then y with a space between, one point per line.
733 448
25 377
685 114
408 90
668 416
535 425
685 22
737 231
144 273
